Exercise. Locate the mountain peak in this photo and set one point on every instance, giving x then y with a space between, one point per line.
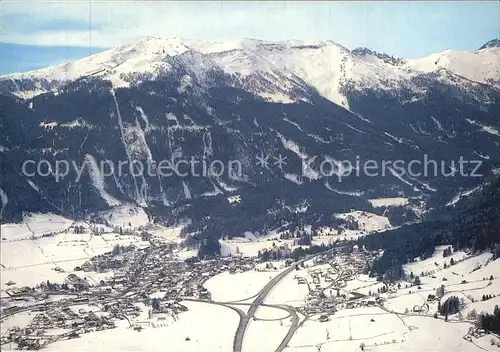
494 43
323 64
389 59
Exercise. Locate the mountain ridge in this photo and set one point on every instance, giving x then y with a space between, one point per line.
237 101
325 65
490 44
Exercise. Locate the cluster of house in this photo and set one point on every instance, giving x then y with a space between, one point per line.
321 279
146 272
18 294
104 262
19 298
70 324
325 283
135 274
152 270
316 304
121 309
359 301
170 306
49 234
316 301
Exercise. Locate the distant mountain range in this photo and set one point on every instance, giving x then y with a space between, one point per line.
164 99
324 65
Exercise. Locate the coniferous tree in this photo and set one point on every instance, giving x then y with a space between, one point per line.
155 304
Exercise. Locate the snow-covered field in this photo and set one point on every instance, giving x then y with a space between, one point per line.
468 279
289 291
33 226
433 335
404 321
347 329
264 335
30 262
168 234
362 284
249 245
126 216
360 223
244 247
27 257
196 325
434 263
228 287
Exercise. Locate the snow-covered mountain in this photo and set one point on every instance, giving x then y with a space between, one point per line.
164 99
324 65
481 66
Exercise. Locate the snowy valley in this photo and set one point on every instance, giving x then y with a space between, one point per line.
125 283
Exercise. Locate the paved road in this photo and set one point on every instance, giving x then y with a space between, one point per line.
243 326
242 315
244 318
291 331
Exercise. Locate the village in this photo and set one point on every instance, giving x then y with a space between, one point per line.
147 287
145 280
76 306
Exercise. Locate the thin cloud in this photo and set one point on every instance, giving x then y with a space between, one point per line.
405 29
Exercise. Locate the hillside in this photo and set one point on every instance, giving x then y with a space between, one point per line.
475 226
317 106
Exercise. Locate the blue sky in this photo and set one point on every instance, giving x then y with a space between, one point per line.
48 33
